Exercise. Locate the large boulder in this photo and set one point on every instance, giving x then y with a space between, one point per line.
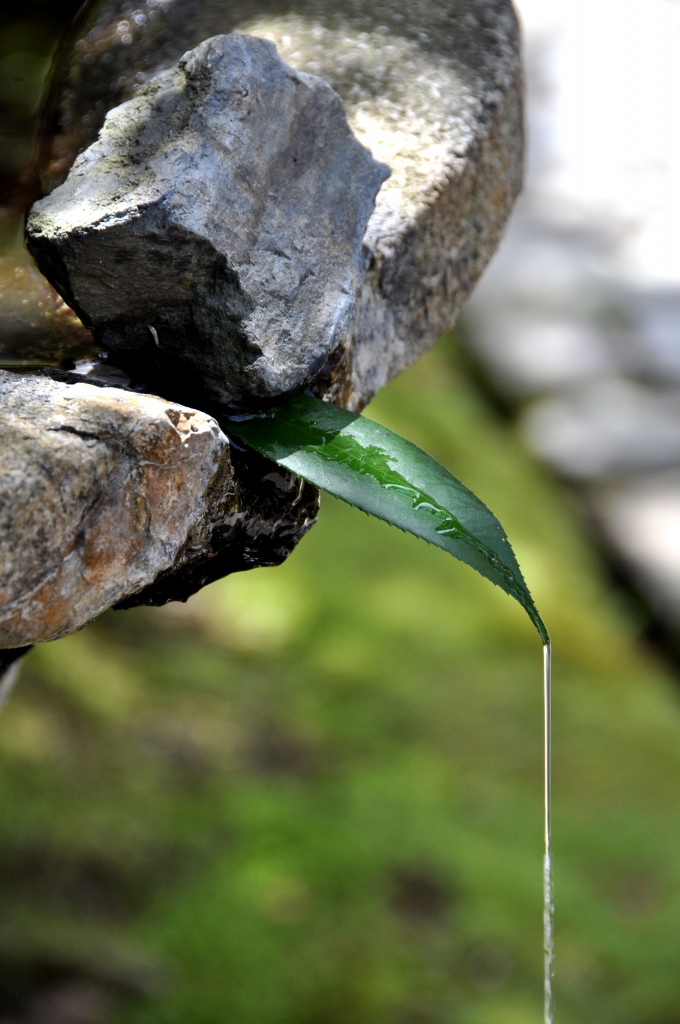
433 88
215 228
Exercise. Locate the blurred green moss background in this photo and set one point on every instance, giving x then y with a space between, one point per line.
312 794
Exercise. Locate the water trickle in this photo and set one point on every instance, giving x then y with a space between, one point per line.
548 906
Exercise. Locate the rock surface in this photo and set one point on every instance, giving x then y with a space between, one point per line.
108 495
215 228
433 88
637 519
36 325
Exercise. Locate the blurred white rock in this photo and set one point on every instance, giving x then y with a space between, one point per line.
641 519
578 316
611 428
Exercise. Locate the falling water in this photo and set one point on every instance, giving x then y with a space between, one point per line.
548 908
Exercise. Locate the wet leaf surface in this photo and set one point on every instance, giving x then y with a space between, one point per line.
383 474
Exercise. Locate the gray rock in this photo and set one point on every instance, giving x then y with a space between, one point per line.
609 428
216 225
36 325
638 522
433 88
108 495
10 668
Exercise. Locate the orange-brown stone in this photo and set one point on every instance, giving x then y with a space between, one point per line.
103 490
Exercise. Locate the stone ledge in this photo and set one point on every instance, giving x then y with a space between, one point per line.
435 91
107 496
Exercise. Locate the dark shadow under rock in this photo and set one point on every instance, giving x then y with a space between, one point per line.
257 524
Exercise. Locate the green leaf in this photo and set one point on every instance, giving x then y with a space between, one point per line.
381 473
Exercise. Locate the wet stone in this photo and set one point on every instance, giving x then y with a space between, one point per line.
433 89
216 226
108 496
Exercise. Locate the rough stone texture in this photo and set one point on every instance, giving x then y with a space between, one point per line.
433 88
106 494
216 225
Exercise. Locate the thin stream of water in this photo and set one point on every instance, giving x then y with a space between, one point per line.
548 906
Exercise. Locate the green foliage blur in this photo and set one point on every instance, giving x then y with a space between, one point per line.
312 794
